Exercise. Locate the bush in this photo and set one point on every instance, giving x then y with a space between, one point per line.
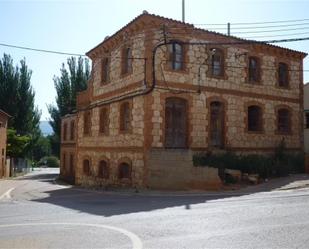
280 163
49 161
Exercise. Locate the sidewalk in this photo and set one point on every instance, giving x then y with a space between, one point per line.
277 184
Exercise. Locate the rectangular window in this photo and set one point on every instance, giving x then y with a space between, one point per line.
254 70
87 122
104 121
307 120
65 128
72 135
125 116
105 70
127 61
2 152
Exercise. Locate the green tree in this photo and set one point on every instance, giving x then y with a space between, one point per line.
17 98
41 148
17 145
71 80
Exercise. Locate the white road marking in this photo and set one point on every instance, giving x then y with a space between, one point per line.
7 194
136 242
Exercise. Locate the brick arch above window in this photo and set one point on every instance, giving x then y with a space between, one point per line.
283 119
254 117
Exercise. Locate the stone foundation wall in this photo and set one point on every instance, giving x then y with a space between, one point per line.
174 170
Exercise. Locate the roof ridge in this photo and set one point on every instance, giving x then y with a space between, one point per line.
145 13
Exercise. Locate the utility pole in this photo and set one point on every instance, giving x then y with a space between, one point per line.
228 29
183 10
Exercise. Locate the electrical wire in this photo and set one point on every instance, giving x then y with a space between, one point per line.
250 23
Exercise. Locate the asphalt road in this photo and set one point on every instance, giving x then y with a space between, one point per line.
36 212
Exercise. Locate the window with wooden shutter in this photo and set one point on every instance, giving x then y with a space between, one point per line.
103 171
124 171
125 117
283 120
175 123
127 60
104 121
254 70
217 62
86 167
283 77
105 67
176 56
87 122
72 131
254 118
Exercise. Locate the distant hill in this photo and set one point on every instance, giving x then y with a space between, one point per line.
46 129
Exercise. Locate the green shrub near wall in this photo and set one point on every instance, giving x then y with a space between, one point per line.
280 163
49 161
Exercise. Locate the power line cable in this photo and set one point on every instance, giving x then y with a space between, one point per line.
282 35
270 30
41 50
250 23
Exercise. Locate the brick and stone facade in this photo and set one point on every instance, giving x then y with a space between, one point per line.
3 136
224 93
68 148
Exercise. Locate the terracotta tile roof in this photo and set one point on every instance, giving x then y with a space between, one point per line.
195 28
4 113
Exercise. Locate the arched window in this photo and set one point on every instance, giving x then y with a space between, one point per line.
254 70
65 131
103 171
87 122
105 70
103 121
72 134
176 54
127 60
284 119
217 62
255 118
283 77
124 171
86 167
125 116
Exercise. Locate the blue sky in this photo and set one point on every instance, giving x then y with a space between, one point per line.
78 26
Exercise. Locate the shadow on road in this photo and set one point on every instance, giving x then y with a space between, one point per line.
105 203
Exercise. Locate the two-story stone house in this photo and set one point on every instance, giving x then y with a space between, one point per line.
162 90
